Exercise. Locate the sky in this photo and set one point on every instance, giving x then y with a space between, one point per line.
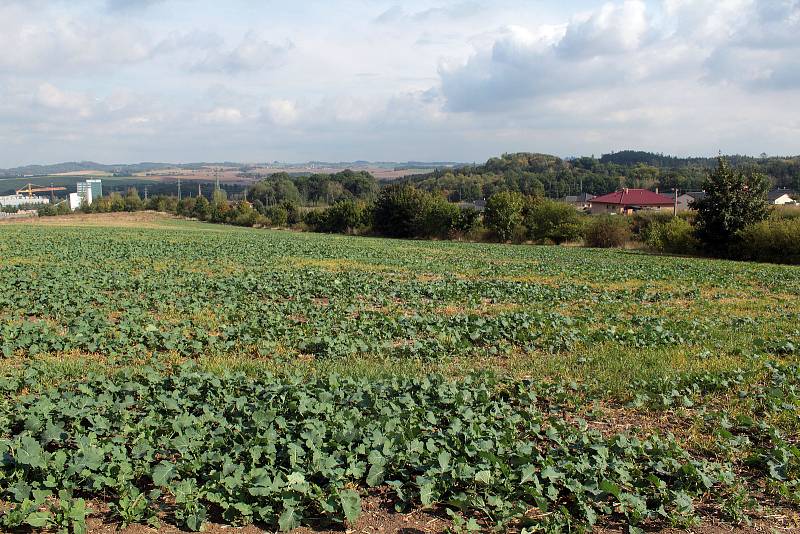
120 81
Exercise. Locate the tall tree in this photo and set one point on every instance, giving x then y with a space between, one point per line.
504 213
733 200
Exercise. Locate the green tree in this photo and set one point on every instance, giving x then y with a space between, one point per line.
201 208
344 216
117 202
132 200
547 220
438 219
733 201
504 213
398 209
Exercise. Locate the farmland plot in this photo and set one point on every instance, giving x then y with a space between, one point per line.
188 373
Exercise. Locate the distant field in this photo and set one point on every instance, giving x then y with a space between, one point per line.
581 346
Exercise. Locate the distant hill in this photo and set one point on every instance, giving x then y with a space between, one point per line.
551 176
127 169
77 166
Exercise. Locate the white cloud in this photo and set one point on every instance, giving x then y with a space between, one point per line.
221 115
280 112
252 54
151 79
622 43
613 29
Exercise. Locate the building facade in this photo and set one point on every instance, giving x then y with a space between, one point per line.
686 200
781 197
90 189
15 201
87 191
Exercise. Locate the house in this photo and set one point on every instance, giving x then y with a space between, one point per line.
479 205
780 197
627 201
686 199
582 201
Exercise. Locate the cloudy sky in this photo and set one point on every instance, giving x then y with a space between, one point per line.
335 80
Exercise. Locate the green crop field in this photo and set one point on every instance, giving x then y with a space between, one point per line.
162 370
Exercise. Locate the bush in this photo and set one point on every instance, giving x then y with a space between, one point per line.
292 212
675 237
548 220
439 218
468 220
397 210
49 210
785 212
277 215
504 214
344 216
607 231
773 240
642 222
314 218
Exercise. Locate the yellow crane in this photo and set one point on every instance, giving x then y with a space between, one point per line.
30 189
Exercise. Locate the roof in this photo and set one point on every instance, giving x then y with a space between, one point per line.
634 197
583 197
697 195
775 194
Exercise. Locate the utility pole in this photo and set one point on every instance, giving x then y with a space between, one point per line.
199 192
675 205
179 189
145 193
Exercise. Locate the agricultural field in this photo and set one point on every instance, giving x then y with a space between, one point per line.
165 372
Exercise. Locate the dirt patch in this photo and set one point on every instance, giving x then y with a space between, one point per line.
138 219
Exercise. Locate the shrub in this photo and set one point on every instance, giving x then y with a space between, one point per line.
785 212
201 208
292 212
504 213
344 216
277 215
607 231
133 201
642 222
315 219
48 210
468 220
675 237
243 214
773 240
547 220
439 218
397 210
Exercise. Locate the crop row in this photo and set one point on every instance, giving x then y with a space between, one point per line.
192 446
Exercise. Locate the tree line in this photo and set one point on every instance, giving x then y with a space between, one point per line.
733 220
553 177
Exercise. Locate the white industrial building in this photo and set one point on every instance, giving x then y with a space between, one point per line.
87 192
16 201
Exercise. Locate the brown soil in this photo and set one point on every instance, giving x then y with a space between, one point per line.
139 219
378 516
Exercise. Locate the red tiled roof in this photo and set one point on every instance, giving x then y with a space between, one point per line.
634 197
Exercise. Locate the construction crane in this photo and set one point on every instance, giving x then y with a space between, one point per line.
30 189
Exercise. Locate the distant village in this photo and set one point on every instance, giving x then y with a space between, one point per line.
623 201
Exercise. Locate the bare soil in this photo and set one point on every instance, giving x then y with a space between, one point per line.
138 219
